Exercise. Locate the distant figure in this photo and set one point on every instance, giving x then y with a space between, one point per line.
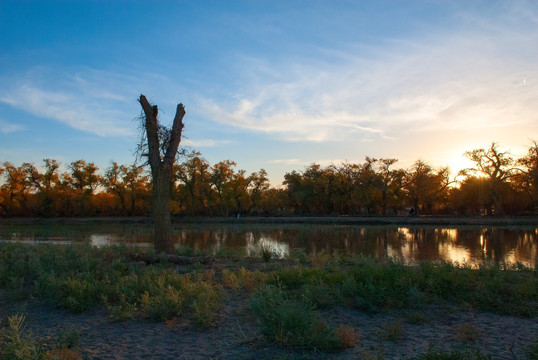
412 212
238 216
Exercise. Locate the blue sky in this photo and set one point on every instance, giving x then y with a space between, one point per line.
270 84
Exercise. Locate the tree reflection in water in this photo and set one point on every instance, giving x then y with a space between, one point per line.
472 245
464 245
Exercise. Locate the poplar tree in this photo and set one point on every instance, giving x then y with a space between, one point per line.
161 145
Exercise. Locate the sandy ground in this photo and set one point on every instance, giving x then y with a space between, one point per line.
235 335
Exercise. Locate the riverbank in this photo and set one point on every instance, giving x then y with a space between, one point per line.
328 220
100 304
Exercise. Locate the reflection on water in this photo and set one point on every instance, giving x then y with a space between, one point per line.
100 240
255 246
469 245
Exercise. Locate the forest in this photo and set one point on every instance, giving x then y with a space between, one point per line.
499 184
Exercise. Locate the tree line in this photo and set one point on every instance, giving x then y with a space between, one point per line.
497 184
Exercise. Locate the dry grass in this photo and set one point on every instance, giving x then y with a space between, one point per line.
63 354
250 280
468 332
230 280
348 336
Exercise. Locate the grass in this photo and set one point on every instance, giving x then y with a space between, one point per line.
121 311
18 343
67 339
371 286
292 322
79 278
286 295
348 335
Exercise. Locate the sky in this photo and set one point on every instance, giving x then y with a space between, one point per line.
274 84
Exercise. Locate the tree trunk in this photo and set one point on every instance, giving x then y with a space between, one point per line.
161 165
161 212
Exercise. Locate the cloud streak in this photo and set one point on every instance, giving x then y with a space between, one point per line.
7 127
204 142
76 100
477 78
89 100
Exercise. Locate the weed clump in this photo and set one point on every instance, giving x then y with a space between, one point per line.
467 332
122 310
348 336
165 304
67 339
292 322
17 342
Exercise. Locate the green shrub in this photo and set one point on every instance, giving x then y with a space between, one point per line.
297 277
121 310
204 303
292 322
163 305
79 294
75 294
67 338
322 294
184 251
250 280
17 343
298 255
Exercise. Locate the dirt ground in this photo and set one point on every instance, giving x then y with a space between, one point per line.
235 335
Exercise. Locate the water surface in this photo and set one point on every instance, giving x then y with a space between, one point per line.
471 245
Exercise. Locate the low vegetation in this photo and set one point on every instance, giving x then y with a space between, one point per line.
287 297
291 321
18 343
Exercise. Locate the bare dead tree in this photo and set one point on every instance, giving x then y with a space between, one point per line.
161 145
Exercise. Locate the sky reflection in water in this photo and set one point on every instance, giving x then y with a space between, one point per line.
469 245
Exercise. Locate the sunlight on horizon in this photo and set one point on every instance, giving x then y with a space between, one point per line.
458 162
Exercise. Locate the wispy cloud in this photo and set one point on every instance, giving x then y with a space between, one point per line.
476 78
7 127
288 161
200 143
90 100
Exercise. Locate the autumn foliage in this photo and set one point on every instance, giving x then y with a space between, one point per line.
498 184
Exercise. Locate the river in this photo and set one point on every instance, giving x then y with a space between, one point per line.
409 243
